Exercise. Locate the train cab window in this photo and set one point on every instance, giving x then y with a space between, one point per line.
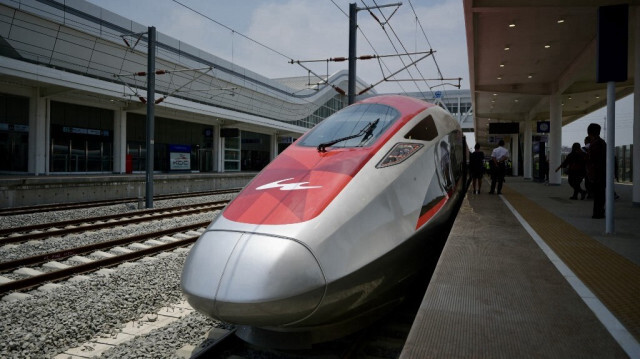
425 130
356 126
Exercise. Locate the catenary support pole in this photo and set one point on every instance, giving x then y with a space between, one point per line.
353 28
151 89
635 189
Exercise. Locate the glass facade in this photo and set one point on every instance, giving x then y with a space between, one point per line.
232 153
14 133
254 152
193 141
624 163
81 138
335 104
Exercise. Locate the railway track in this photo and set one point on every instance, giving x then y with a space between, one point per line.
63 228
384 339
67 206
148 244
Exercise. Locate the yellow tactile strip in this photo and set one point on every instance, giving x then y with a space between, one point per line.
612 278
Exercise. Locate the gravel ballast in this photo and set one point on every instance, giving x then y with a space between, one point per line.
50 322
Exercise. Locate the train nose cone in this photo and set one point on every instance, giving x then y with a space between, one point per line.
252 279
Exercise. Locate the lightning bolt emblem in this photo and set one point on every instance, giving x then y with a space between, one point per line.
286 186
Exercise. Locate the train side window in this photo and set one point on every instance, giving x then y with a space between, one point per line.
425 130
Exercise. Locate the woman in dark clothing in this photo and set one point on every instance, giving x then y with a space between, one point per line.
575 164
476 167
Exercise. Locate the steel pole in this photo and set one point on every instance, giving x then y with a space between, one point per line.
611 139
353 28
151 92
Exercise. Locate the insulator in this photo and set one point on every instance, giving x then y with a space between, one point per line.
367 57
159 100
365 90
338 59
339 90
141 73
375 17
126 42
161 72
142 99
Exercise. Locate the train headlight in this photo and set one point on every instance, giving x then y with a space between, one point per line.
398 154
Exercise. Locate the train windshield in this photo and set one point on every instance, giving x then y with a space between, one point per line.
356 126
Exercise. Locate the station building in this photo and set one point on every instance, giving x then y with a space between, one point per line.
72 98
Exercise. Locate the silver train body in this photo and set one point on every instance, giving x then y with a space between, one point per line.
322 240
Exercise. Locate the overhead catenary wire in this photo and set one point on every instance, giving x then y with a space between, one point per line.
426 38
231 29
240 34
250 103
401 44
380 61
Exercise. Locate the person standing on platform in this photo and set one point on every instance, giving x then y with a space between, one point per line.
499 157
587 184
575 165
476 167
596 169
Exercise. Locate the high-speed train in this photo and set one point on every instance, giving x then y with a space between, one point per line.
322 239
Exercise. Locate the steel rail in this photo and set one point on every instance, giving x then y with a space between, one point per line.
108 202
71 222
96 226
65 273
66 253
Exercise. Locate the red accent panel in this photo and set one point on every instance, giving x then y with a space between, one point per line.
430 213
286 200
326 173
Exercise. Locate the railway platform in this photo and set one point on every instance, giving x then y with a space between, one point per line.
529 273
21 191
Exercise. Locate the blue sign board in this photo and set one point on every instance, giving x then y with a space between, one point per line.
544 126
180 148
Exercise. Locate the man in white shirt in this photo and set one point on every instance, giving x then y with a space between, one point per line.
499 157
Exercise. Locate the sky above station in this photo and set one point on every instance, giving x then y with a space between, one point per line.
265 35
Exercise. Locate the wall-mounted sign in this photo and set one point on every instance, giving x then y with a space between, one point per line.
179 157
504 128
14 127
544 126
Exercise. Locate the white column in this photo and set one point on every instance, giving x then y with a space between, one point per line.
274 146
218 145
527 150
635 190
611 140
39 139
514 153
214 149
119 141
555 138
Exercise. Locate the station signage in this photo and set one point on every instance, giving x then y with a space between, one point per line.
85 131
543 126
14 127
179 157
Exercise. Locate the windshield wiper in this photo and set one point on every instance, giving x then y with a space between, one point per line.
367 131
